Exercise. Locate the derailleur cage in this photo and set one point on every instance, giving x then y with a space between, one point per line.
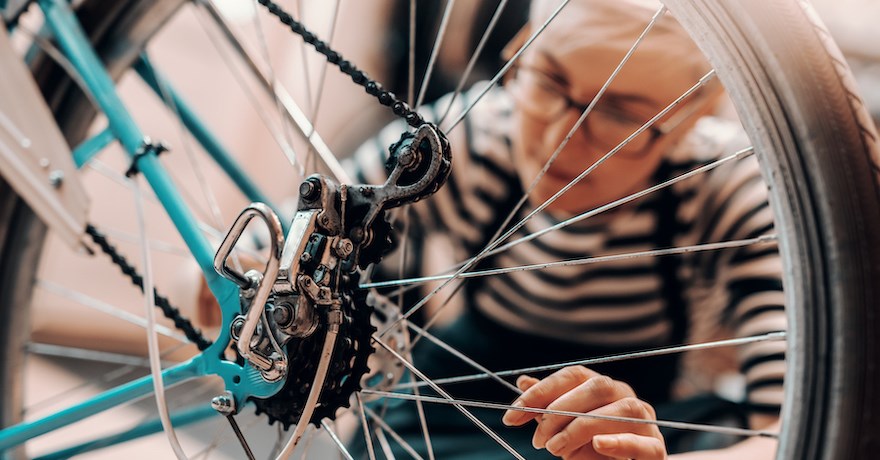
336 229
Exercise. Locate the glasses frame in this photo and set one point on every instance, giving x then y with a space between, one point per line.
656 130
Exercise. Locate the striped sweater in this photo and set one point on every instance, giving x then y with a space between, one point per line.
629 303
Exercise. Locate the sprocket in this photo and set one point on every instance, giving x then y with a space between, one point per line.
347 367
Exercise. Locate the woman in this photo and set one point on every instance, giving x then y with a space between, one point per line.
575 312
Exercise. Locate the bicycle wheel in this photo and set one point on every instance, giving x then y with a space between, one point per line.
819 156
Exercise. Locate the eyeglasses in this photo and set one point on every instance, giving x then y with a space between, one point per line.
541 96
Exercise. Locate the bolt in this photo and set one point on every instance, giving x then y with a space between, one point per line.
56 177
357 235
325 220
406 159
224 404
305 258
237 325
281 314
344 248
308 190
44 163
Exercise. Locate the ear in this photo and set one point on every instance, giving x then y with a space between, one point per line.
516 42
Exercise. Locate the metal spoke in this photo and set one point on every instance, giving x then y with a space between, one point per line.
278 137
106 308
207 192
536 410
219 438
507 66
110 173
273 82
292 110
107 377
768 337
339 444
322 79
705 79
61 351
152 338
463 357
240 436
405 445
419 407
744 153
441 32
446 395
763 239
383 443
366 427
156 245
473 61
574 129
411 64
310 436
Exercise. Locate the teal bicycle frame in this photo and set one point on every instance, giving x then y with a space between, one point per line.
241 381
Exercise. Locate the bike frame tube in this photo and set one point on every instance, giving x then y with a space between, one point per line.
240 381
20 433
181 418
171 98
84 152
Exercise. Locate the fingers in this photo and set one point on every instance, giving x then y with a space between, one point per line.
540 394
629 445
581 431
524 382
598 391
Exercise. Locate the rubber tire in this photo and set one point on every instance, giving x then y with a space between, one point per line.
816 142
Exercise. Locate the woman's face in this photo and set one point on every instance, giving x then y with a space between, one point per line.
559 75
617 116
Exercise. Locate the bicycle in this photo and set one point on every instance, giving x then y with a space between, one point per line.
824 208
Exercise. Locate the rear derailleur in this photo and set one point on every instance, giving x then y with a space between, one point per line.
303 317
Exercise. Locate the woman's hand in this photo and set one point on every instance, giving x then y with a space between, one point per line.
578 389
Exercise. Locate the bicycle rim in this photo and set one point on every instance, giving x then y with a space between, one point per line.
812 139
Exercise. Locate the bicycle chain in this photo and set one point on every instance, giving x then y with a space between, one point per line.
359 77
170 312
354 353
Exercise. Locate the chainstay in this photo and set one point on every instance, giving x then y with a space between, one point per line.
372 87
170 312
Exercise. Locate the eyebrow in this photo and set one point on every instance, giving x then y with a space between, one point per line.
556 73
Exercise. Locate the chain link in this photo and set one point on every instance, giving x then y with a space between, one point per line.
372 87
170 312
359 77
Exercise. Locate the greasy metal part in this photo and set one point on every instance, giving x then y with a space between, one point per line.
334 319
303 224
224 404
295 316
34 157
259 282
410 178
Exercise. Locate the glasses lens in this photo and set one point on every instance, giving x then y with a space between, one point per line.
608 129
537 95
